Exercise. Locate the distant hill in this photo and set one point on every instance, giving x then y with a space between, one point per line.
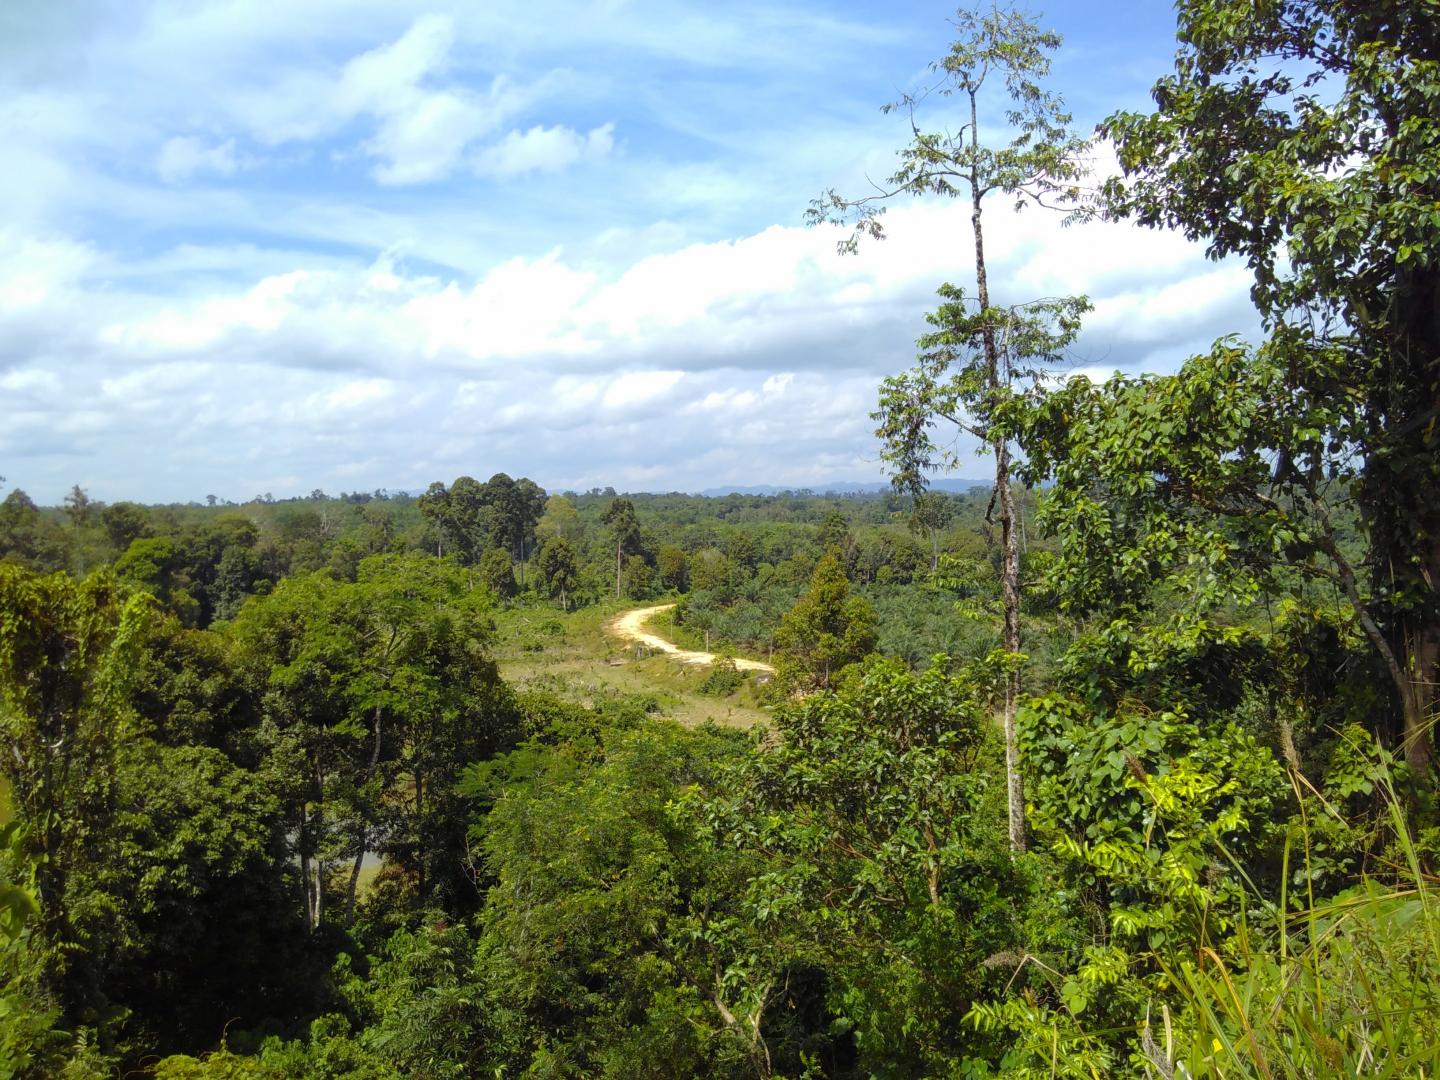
838 487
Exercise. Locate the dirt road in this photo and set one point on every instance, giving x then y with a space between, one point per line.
630 625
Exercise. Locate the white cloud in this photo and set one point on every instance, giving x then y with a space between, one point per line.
780 297
649 325
639 388
423 131
353 395
183 156
35 270
754 360
426 119
542 149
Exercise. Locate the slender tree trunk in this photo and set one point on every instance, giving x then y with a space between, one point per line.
997 378
312 865
617 569
1010 596
355 868
362 837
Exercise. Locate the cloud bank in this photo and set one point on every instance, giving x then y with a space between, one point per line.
359 245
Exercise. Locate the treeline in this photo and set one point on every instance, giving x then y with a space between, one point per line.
736 563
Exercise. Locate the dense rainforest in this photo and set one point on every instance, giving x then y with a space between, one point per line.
1120 764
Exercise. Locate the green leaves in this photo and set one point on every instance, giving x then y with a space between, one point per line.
18 906
1302 137
826 630
957 388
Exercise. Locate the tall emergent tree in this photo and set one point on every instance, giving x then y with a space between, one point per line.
978 348
1302 136
620 516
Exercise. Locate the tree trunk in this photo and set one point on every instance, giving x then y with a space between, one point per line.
1010 595
312 865
362 837
1419 694
997 378
617 569
355 877
1401 503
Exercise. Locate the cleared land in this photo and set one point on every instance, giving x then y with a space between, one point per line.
630 626
574 656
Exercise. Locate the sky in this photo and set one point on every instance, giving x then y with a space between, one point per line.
255 248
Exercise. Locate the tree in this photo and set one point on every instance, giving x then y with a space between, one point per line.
672 567
978 348
560 520
930 513
882 858
609 939
1301 136
510 509
639 581
78 507
27 537
193 874
620 516
710 571
67 652
498 572
825 630
365 686
558 570
456 512
124 522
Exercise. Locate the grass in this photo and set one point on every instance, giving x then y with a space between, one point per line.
1346 987
570 654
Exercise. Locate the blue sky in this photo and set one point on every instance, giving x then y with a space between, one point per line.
256 248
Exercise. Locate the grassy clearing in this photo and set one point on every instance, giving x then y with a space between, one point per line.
571 655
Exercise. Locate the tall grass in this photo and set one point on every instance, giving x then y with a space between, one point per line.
1345 987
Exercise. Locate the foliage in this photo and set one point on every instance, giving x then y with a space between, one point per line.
1301 136
558 570
29 1042
826 630
724 678
608 942
66 654
883 861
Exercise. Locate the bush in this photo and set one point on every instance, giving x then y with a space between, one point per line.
724 679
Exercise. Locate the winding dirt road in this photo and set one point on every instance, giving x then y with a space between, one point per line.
630 626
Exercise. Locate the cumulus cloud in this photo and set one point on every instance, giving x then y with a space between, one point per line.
542 149
423 130
163 335
751 360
